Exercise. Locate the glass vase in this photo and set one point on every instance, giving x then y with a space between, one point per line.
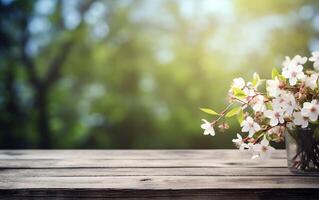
303 151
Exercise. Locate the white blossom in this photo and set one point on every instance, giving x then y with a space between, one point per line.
285 101
311 81
310 110
297 60
290 101
238 83
250 92
249 125
208 128
263 149
273 87
240 143
293 72
300 120
275 116
315 60
293 69
258 103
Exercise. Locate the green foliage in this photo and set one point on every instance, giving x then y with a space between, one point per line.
233 112
276 74
240 116
135 79
239 93
256 80
209 111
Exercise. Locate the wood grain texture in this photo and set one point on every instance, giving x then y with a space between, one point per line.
157 174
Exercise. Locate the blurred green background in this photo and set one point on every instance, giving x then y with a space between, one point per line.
133 73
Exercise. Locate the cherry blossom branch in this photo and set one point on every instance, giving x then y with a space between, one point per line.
291 97
222 114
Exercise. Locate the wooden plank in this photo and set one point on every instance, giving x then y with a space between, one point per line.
102 172
156 174
132 158
155 163
162 182
206 194
130 154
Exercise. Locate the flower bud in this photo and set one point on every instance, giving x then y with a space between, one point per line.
223 127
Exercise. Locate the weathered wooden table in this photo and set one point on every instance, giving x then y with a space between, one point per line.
157 174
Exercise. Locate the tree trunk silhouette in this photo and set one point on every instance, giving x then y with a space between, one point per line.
11 108
42 85
43 118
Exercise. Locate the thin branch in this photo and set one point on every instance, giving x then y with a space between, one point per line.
58 61
222 114
27 61
56 64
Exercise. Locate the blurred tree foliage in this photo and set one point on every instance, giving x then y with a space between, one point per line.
132 74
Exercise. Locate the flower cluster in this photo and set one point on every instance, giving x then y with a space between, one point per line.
290 100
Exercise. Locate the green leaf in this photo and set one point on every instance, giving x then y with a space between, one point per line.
209 111
233 112
240 116
256 80
239 93
269 105
282 78
274 73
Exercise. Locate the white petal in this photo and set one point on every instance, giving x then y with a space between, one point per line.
205 126
235 140
239 82
212 132
256 127
313 116
264 142
293 81
300 75
206 132
286 74
269 113
243 123
251 133
281 119
250 120
303 60
305 112
304 124
307 105
314 77
316 65
273 121
299 68
312 59
245 129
